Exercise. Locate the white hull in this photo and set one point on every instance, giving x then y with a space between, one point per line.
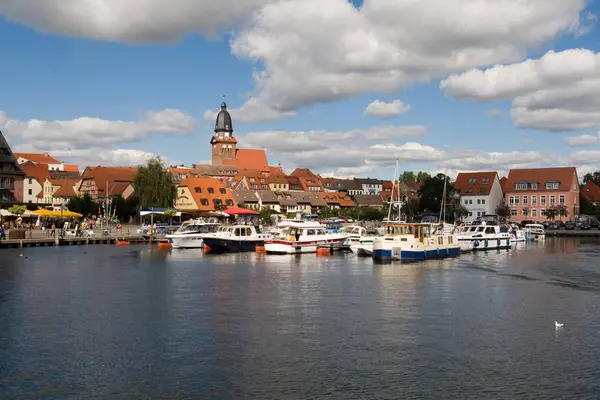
287 247
491 242
191 241
362 249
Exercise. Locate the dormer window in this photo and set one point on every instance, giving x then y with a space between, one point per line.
485 181
222 191
197 190
553 185
469 190
210 190
472 181
521 186
252 179
534 186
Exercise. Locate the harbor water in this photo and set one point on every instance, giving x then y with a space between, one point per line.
107 322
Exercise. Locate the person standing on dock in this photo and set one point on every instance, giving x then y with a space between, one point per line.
53 232
2 233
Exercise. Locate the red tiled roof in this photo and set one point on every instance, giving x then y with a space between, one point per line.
591 191
66 189
276 170
71 168
338 198
37 158
117 188
38 171
250 159
474 183
108 176
503 182
566 176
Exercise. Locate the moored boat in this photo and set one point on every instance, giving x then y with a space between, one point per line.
235 239
485 233
414 242
363 247
536 230
298 236
189 234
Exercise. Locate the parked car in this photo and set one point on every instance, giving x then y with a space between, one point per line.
569 226
583 224
547 224
594 223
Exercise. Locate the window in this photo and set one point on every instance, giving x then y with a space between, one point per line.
470 201
521 186
534 186
534 212
517 199
482 201
481 190
511 200
204 202
513 212
217 202
561 199
479 213
485 181
472 181
534 200
470 214
29 191
252 179
262 180
543 212
525 200
543 201
222 191
229 202
552 200
524 212
466 201
552 185
197 190
210 190
30 181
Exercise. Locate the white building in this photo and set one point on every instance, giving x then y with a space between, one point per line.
40 158
480 193
370 186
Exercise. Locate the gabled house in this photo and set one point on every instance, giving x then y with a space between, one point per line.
62 190
480 193
33 185
591 192
295 184
11 175
246 198
198 195
268 199
180 173
370 185
309 181
101 182
530 192
46 159
369 200
251 180
350 186
337 200
278 182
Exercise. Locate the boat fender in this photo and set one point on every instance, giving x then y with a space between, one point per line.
486 243
438 252
476 243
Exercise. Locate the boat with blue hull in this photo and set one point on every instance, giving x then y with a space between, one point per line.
414 242
235 239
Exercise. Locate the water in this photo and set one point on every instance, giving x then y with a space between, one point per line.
103 322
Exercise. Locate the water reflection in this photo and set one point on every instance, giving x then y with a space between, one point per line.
139 322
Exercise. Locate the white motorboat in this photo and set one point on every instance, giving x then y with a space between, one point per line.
235 239
414 242
189 234
298 236
363 247
536 230
518 235
485 233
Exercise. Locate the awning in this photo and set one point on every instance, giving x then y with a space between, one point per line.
240 211
6 213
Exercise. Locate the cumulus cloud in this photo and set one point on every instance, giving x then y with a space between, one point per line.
326 50
130 21
583 140
381 109
94 155
586 157
251 111
556 92
86 132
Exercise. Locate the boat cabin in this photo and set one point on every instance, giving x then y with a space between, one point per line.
236 230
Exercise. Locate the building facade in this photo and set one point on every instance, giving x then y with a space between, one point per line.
480 193
370 186
11 175
530 192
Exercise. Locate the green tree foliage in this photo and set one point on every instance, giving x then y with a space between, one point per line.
17 210
170 214
154 185
125 209
459 211
432 192
585 207
364 213
503 211
329 212
422 176
594 177
83 205
407 177
562 211
266 212
411 210
551 213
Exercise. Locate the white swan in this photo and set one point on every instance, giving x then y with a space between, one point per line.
558 324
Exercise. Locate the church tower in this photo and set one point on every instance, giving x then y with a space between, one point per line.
223 142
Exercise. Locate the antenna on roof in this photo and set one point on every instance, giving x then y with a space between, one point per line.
223 97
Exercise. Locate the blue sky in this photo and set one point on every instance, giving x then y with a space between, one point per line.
55 72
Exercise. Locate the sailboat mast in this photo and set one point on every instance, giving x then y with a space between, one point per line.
398 199
442 211
392 192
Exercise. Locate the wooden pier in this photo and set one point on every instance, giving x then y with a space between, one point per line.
74 241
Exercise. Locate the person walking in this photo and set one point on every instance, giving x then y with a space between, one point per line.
2 233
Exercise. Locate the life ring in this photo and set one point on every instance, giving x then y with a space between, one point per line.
476 243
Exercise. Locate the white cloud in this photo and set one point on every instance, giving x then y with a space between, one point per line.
326 50
586 157
93 155
130 21
86 132
251 111
484 161
583 140
494 112
558 91
382 109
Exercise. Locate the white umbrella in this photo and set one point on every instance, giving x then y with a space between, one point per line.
5 213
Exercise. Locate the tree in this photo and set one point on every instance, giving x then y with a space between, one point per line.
594 177
460 212
585 207
17 210
170 214
124 209
411 210
502 211
432 192
154 185
328 212
83 205
422 176
407 177
562 211
551 213
265 213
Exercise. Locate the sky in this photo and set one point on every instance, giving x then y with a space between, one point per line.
345 88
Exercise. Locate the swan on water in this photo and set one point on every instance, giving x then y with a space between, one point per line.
558 324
